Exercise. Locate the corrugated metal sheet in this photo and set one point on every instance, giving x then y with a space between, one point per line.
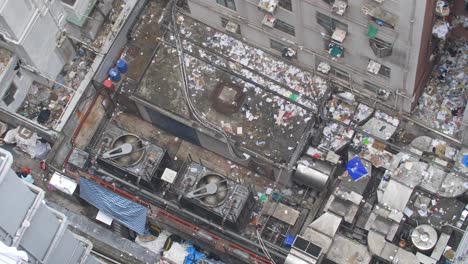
126 212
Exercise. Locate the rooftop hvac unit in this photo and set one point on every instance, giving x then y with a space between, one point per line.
130 157
215 197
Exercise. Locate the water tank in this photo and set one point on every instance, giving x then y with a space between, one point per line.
122 66
314 174
424 237
114 74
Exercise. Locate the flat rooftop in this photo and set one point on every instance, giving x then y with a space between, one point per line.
267 115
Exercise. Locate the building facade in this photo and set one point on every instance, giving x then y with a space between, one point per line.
378 48
33 33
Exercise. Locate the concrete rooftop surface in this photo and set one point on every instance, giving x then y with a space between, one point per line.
232 131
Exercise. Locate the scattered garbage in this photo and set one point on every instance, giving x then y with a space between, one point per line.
443 102
5 57
45 105
250 60
28 142
441 29
340 110
335 136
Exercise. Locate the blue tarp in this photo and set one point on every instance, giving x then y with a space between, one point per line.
465 160
194 256
124 211
356 169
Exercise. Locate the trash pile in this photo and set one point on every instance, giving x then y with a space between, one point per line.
258 61
372 150
45 105
75 71
117 7
443 102
5 57
363 113
335 136
28 142
340 110
438 147
261 117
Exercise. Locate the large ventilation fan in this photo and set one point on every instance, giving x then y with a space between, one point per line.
127 150
211 190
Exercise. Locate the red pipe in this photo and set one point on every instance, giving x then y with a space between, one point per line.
80 125
83 119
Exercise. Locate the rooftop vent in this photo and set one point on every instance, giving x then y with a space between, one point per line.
227 98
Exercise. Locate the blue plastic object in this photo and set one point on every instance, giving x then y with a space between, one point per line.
379 22
356 169
289 240
465 160
122 66
193 257
114 74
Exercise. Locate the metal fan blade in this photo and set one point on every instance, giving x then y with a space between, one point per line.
121 150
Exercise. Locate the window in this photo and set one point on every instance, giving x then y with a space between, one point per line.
335 72
384 71
379 91
224 22
339 74
380 47
330 24
276 45
286 4
227 3
285 27
9 96
69 2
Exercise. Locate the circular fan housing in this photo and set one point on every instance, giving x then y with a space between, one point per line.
221 192
137 153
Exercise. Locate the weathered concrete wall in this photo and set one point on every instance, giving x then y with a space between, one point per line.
309 39
120 41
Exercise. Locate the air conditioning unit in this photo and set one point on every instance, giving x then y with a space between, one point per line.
373 67
268 6
78 10
269 21
339 7
366 10
232 27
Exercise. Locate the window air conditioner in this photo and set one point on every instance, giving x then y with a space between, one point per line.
232 27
